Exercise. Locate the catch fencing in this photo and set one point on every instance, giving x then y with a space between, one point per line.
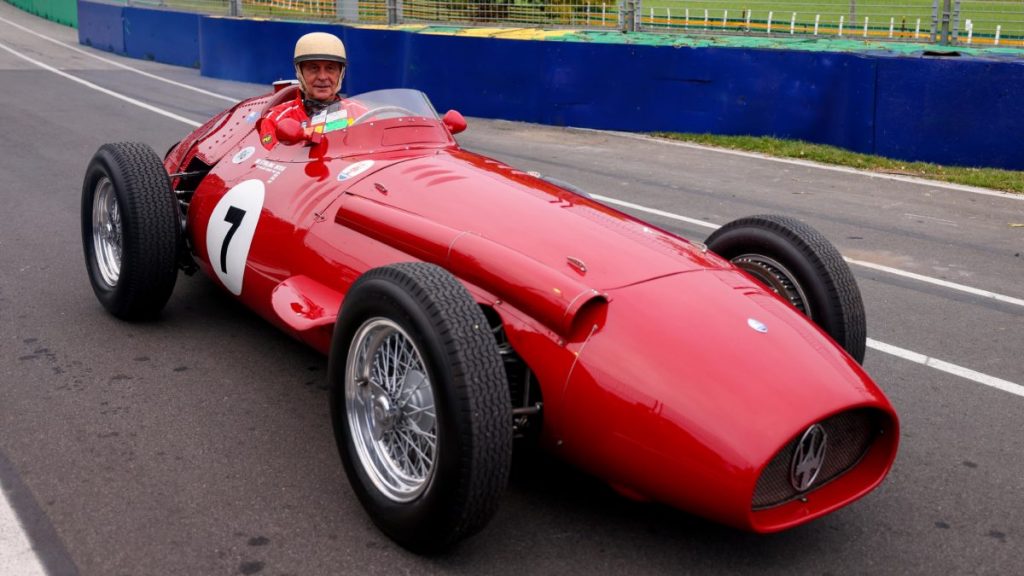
977 23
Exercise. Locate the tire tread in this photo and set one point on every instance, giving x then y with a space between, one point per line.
150 228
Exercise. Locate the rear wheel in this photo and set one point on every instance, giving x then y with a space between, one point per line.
799 264
420 405
130 230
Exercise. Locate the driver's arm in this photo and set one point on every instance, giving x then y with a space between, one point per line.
283 123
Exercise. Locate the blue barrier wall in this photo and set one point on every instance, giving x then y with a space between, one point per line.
101 26
162 35
814 96
948 110
251 50
951 111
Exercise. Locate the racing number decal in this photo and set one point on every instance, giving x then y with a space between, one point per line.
233 217
230 231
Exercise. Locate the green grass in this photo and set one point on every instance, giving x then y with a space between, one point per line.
986 14
1005 180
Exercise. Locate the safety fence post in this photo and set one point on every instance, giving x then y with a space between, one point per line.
944 35
394 17
234 8
629 11
956 20
935 21
347 10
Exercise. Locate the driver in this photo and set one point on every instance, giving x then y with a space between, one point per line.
320 66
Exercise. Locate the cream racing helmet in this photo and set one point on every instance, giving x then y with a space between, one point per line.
319 46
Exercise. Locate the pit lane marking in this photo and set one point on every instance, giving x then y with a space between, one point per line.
118 64
88 84
16 554
947 367
29 545
870 265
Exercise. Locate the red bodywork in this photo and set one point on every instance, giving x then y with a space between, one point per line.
651 377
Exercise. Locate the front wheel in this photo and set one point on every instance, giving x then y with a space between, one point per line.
130 230
420 405
799 264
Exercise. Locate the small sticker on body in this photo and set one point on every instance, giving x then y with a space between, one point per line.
243 154
273 168
353 170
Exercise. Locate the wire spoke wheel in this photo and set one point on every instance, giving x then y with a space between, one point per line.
391 411
106 232
420 405
776 277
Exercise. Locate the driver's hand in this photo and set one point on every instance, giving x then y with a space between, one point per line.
290 131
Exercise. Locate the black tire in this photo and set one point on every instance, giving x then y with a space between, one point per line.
132 263
428 310
802 266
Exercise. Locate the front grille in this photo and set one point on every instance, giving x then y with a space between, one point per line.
850 434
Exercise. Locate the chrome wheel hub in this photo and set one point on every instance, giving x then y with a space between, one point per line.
384 416
389 402
106 232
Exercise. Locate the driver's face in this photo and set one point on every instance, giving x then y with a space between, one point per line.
321 77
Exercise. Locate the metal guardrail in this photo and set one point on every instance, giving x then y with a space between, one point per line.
951 22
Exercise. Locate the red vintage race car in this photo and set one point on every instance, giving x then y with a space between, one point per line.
464 304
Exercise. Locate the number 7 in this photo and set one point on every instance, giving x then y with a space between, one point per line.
234 217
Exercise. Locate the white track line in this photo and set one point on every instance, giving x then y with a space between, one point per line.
16 553
810 164
877 267
939 282
942 365
118 64
880 346
88 84
655 211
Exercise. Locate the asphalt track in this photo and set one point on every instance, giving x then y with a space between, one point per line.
200 444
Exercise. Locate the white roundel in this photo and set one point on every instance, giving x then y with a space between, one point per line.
353 170
243 154
230 231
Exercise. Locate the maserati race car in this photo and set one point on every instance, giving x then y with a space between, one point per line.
467 307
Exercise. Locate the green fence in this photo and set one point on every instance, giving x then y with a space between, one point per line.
62 11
